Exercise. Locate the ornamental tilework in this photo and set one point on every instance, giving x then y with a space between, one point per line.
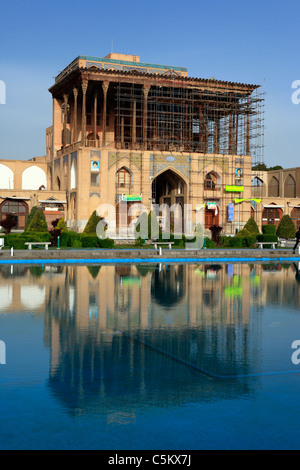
95 154
179 162
220 161
115 157
73 157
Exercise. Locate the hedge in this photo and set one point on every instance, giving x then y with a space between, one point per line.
18 240
267 238
269 229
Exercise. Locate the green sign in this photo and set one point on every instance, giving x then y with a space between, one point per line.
131 197
235 189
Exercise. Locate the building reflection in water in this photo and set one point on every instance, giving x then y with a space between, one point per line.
120 336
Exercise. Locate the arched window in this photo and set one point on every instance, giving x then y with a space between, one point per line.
290 187
18 209
211 182
274 187
73 176
271 216
123 178
57 184
258 187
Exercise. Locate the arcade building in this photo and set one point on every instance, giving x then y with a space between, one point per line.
125 132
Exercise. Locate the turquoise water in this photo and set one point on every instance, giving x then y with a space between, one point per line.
150 357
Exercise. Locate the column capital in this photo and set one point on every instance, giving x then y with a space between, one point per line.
75 92
84 86
146 89
105 86
66 96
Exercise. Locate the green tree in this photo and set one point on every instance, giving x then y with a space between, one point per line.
251 227
38 222
92 223
61 225
31 216
286 228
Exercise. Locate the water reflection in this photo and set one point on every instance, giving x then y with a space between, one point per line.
121 336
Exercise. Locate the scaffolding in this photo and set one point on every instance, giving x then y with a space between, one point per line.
185 118
214 118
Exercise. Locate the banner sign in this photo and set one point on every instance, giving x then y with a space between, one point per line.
235 189
230 212
131 197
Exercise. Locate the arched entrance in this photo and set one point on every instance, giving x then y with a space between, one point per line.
170 189
211 214
271 216
17 208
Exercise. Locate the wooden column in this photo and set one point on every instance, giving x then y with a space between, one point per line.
84 86
216 143
95 115
248 130
64 142
146 90
105 86
133 123
75 93
122 133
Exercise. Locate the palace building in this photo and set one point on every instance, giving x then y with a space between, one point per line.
127 133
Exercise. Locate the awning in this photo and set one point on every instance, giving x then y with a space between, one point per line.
51 201
15 198
272 206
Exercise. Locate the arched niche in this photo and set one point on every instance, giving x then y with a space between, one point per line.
33 178
6 177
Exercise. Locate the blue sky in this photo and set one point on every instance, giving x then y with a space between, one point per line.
242 41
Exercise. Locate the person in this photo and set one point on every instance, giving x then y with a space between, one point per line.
297 239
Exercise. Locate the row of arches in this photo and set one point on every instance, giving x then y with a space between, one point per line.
33 178
289 187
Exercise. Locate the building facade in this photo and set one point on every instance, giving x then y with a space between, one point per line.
126 133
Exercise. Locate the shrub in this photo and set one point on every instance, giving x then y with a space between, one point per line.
251 227
215 233
17 240
38 222
243 233
269 229
92 223
106 243
54 234
209 243
31 216
89 241
267 238
61 225
236 242
9 223
249 242
286 228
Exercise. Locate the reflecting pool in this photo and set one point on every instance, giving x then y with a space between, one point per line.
153 356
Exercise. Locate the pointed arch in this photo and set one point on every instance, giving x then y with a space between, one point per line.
273 187
290 187
124 178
